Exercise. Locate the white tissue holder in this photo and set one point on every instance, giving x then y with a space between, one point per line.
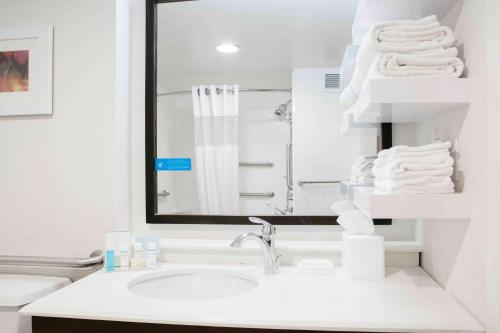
363 256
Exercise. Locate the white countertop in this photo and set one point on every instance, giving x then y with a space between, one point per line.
406 300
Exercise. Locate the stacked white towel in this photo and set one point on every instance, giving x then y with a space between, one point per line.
423 169
361 170
420 48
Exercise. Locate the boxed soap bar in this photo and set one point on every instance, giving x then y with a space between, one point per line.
317 267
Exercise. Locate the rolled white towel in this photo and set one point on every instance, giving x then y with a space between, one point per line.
366 178
362 165
362 159
443 63
443 186
361 170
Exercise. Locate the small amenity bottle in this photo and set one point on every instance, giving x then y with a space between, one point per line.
137 259
109 259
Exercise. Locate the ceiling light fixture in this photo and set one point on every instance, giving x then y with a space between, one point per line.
227 48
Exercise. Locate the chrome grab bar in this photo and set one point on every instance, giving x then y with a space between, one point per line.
305 182
51 261
257 164
288 152
163 194
268 194
257 194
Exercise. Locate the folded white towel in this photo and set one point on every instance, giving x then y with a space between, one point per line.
443 186
413 157
385 173
442 63
402 37
428 180
355 222
402 165
421 169
418 35
429 147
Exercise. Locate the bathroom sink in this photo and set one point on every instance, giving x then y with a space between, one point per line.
192 285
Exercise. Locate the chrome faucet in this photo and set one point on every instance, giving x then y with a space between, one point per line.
266 241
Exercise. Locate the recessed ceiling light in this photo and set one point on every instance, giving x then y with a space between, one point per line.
227 48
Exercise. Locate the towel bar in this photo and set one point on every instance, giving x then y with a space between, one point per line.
257 194
268 194
258 164
305 182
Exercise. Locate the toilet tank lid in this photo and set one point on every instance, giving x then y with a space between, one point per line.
22 289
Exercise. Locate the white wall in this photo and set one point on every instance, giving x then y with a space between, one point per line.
493 165
57 174
263 137
320 152
463 255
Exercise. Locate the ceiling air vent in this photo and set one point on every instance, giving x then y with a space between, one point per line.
332 81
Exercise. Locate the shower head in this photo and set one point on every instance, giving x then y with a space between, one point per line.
282 108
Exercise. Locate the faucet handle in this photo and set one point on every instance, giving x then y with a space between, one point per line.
267 228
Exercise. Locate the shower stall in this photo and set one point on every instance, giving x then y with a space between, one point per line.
264 143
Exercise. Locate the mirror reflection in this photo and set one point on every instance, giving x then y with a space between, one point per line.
248 115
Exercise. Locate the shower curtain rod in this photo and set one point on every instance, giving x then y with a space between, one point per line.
240 90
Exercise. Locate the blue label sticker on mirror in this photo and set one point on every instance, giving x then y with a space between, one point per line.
173 164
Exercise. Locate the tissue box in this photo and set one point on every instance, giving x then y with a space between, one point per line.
363 256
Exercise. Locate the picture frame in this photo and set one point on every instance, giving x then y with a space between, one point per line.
26 60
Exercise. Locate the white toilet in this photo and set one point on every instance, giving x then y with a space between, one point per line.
17 290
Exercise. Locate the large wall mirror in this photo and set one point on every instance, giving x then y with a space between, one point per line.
242 110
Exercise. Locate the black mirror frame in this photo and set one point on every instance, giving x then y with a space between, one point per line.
150 150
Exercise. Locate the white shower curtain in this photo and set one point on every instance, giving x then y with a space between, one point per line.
216 153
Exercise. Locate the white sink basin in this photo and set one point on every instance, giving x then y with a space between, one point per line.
193 284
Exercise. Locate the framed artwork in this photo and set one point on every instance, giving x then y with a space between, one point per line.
26 70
